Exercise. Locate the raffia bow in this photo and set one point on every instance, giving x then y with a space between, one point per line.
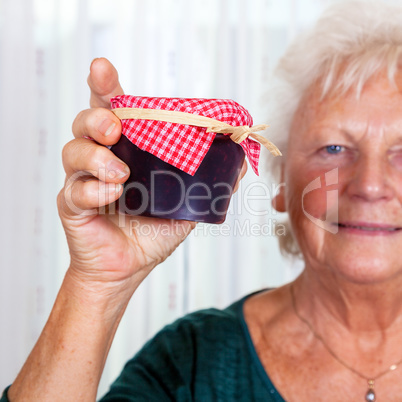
239 133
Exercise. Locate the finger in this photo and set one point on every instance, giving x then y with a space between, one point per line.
103 82
82 157
100 124
85 197
243 171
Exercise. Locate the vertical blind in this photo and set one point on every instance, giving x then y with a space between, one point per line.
178 48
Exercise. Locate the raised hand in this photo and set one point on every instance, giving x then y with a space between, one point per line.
106 246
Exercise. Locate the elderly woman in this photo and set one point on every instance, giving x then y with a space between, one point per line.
332 334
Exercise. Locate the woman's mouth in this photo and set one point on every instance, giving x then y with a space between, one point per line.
368 228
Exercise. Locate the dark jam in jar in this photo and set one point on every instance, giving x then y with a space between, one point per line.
158 189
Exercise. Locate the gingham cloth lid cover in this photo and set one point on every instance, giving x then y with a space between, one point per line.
180 145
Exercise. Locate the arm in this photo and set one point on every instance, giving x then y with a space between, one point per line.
108 259
68 359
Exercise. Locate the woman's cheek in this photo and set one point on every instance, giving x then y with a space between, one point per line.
307 194
315 203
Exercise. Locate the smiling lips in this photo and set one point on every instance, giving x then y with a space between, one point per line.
368 228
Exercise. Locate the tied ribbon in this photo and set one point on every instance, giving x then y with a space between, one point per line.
239 133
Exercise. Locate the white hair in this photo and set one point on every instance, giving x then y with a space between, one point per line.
351 42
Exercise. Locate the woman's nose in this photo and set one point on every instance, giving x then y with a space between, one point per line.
370 179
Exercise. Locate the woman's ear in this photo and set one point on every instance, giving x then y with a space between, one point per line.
279 201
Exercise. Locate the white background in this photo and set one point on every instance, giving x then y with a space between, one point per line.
180 48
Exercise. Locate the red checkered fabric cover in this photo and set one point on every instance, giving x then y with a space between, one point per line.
180 145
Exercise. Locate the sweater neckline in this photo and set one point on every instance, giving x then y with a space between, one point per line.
252 351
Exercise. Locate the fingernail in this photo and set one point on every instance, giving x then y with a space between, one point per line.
114 189
117 169
110 188
106 127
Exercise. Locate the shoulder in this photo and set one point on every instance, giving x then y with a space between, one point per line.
205 355
185 358
212 320
202 330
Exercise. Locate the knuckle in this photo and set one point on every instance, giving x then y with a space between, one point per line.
66 152
79 119
89 123
67 148
62 200
59 198
98 114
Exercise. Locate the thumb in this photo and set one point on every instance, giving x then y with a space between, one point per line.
103 81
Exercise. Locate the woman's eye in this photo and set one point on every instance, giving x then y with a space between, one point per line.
396 157
334 149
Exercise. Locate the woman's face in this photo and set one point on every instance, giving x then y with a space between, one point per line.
343 175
